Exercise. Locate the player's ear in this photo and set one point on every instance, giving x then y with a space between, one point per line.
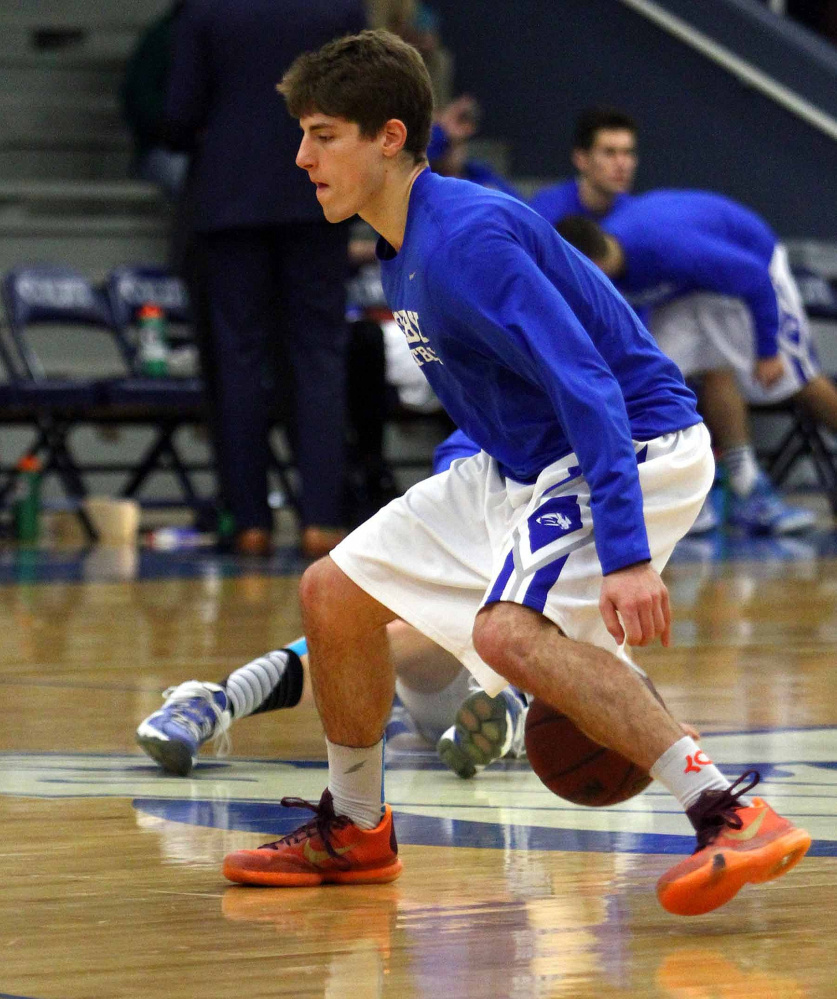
393 135
579 159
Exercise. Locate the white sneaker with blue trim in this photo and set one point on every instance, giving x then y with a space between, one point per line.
193 713
764 511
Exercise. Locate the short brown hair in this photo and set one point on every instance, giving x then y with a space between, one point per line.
367 79
593 120
585 235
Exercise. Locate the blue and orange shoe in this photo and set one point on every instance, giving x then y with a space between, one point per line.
330 849
736 844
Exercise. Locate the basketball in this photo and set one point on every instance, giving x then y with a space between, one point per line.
573 766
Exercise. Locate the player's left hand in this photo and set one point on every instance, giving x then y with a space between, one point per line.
769 370
635 606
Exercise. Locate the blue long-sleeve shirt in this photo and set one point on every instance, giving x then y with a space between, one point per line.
560 200
530 349
677 242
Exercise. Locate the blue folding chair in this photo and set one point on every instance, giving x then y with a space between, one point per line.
41 295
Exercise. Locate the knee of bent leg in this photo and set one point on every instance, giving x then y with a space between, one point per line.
330 600
319 588
491 633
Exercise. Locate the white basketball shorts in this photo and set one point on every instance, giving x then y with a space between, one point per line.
704 332
469 537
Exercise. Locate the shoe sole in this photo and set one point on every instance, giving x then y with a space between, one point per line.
172 756
454 759
722 877
297 879
482 728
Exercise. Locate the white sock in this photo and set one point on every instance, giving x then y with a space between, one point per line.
686 771
742 469
356 782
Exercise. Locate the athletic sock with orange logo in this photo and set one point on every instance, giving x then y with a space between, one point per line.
687 772
356 782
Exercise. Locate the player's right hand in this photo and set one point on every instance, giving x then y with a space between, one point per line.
635 606
769 370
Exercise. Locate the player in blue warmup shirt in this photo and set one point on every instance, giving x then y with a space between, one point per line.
536 561
724 306
604 154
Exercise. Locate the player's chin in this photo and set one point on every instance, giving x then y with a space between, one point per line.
334 213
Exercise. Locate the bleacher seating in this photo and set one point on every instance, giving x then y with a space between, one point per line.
65 192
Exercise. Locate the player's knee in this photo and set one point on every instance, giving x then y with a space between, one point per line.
331 601
319 588
493 638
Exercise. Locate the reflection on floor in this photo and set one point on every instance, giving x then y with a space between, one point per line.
111 880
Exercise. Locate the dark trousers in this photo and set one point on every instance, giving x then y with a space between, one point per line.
276 308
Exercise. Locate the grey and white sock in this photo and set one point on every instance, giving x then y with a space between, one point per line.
270 682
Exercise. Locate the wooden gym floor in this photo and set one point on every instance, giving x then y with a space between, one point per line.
110 879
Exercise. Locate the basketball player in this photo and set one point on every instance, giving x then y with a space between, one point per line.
537 560
438 696
433 690
443 703
724 304
431 685
604 154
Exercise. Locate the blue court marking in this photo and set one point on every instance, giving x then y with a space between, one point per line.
273 820
424 759
8 995
420 830
255 809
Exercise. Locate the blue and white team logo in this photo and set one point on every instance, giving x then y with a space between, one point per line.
789 329
554 519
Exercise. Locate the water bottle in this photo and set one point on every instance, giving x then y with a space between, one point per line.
27 502
169 539
153 342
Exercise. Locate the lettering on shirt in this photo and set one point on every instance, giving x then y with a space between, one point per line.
408 323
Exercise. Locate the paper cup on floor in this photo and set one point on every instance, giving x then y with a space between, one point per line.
116 520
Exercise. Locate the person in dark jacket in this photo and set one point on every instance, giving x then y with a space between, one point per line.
273 269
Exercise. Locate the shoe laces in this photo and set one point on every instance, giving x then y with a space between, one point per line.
715 809
325 820
186 705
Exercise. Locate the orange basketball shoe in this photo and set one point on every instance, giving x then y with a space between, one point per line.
735 844
328 849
